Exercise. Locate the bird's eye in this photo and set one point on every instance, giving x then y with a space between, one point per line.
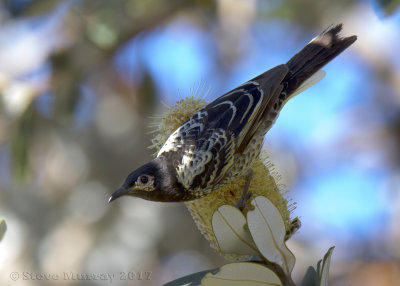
144 179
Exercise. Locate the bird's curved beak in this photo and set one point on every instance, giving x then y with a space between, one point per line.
118 193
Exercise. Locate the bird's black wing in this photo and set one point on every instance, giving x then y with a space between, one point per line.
206 143
242 110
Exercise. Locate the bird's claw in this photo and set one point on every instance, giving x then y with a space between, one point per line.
295 224
241 204
244 198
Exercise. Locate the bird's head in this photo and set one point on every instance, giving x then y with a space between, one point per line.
151 181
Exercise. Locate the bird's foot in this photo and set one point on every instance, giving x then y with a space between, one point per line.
241 204
294 227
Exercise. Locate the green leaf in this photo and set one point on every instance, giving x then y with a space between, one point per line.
3 228
268 231
311 277
101 29
190 280
323 271
242 273
229 226
20 144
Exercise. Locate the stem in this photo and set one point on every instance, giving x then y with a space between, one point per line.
285 279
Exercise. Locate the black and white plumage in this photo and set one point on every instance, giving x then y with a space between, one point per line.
221 140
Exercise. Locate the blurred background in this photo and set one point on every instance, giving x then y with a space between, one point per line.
81 80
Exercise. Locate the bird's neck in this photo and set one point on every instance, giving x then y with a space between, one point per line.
169 181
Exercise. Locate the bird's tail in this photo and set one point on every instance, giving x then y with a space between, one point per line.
304 65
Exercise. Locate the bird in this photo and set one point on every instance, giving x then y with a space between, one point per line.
220 141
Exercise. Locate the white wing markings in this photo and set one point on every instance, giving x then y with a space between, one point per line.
172 143
194 162
234 109
251 101
239 88
245 93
